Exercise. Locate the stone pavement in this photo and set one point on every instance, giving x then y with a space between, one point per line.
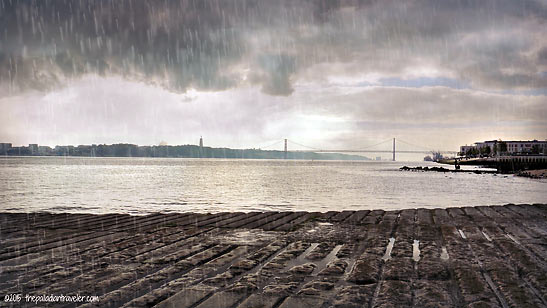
458 257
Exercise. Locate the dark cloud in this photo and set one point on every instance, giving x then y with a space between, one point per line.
177 44
216 44
542 56
275 73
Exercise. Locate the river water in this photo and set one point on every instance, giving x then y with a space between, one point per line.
145 185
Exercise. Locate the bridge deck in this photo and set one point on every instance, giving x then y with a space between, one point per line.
480 256
375 151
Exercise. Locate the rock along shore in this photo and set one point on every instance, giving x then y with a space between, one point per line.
534 174
442 169
492 256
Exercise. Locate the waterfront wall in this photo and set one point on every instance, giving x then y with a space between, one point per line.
510 164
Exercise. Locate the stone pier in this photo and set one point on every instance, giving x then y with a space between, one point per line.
487 256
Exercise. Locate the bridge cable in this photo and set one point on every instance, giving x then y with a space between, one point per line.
370 146
271 145
357 149
415 145
305 146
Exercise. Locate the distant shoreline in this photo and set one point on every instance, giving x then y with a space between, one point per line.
178 151
327 157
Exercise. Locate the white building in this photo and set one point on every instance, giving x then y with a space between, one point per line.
533 146
507 147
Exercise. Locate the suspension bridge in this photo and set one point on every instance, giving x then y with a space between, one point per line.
374 148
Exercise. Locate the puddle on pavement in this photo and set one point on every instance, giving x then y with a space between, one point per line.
321 265
512 238
321 226
301 259
246 237
462 234
349 268
416 251
389 247
324 224
444 254
486 236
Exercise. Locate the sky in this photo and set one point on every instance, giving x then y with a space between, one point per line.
248 73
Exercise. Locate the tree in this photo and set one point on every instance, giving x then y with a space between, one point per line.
535 149
485 150
503 147
472 152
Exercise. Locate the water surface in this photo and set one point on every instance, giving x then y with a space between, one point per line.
144 185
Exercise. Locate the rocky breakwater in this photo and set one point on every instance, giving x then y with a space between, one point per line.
534 174
457 257
442 169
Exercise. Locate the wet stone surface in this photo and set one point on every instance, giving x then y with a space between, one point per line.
461 257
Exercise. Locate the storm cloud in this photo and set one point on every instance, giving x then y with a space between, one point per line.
244 72
215 45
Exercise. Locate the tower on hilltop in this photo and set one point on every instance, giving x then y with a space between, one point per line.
200 146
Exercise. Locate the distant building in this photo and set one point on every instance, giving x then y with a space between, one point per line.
33 148
378 158
494 147
532 147
44 150
64 150
466 148
18 151
4 148
437 156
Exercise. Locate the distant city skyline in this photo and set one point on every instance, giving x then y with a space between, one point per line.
244 74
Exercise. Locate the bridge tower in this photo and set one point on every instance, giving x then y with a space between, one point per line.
285 148
393 149
200 146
